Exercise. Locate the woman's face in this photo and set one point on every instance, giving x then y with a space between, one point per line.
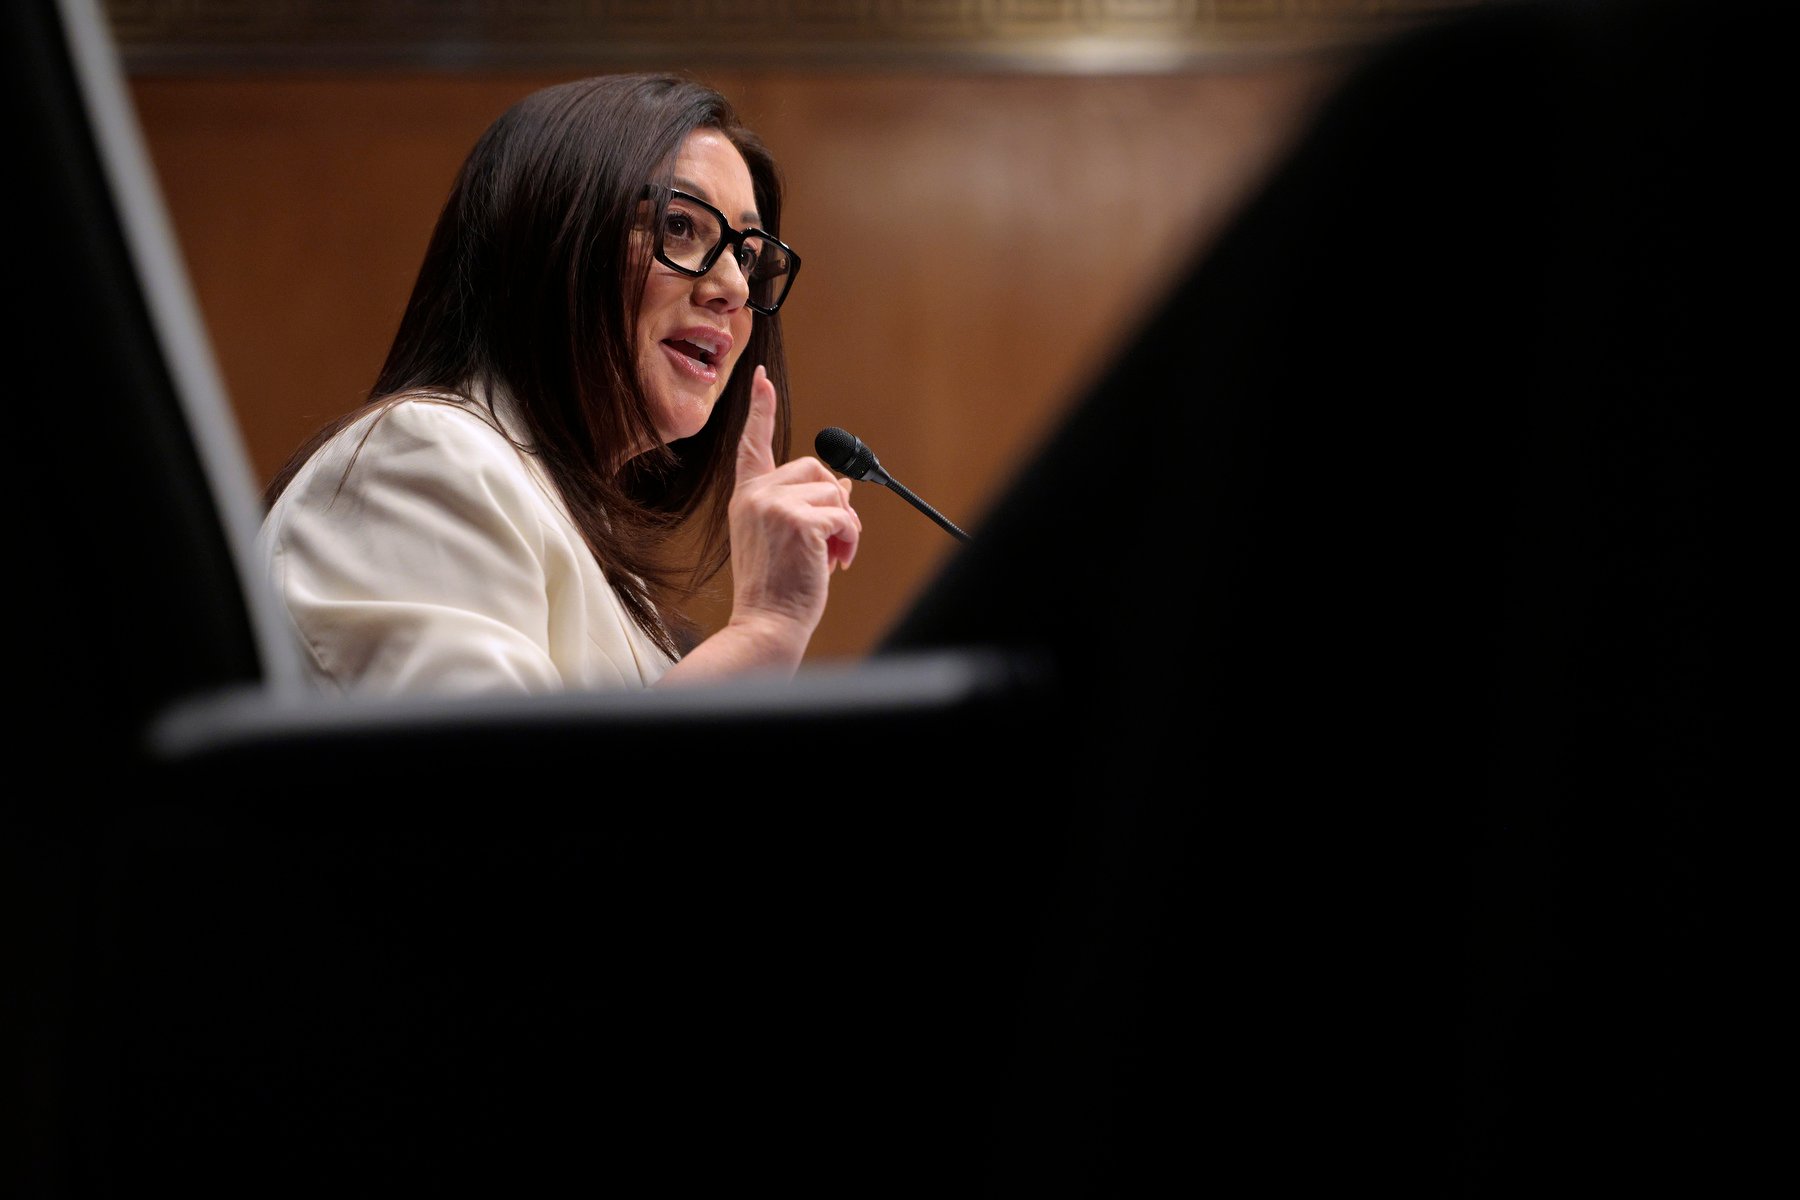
692 330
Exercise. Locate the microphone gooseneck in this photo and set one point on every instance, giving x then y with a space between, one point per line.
845 453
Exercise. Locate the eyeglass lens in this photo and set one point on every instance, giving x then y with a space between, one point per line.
690 232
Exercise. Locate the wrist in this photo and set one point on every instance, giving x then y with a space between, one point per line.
764 639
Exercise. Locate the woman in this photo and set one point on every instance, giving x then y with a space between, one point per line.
582 387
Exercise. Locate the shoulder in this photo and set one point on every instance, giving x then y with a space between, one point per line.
414 467
431 425
422 441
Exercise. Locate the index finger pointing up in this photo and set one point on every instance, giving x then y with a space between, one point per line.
756 446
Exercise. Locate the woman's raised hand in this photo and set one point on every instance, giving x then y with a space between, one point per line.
791 526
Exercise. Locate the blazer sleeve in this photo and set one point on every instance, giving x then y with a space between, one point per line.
413 560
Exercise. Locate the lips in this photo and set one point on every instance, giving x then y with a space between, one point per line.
700 344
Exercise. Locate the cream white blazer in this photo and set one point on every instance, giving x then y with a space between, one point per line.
442 561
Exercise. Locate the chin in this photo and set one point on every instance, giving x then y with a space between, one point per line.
689 418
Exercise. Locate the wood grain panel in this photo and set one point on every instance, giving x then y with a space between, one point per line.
975 246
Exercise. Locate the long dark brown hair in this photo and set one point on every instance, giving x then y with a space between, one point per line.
530 287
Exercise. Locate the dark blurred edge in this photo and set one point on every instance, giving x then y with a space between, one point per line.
1394 557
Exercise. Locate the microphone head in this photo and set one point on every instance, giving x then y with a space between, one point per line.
844 452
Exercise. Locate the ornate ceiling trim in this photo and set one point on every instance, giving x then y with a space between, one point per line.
1076 36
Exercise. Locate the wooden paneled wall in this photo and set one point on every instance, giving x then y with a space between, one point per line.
975 247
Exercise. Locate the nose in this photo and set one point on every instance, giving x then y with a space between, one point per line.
724 287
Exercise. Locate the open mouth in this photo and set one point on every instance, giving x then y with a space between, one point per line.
694 350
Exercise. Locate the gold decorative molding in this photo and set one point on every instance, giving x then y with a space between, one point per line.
1039 35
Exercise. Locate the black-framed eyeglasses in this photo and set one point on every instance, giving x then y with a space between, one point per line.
692 235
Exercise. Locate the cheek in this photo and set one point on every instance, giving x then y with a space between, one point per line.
743 325
661 288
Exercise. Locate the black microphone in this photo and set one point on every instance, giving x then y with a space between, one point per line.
844 452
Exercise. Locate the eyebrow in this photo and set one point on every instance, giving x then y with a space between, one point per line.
746 218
